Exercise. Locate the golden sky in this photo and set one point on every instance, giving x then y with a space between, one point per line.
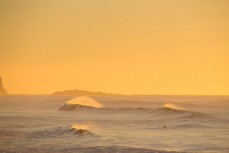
119 46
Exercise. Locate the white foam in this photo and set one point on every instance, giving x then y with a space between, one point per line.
84 101
173 106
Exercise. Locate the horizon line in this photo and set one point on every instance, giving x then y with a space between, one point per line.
46 94
118 94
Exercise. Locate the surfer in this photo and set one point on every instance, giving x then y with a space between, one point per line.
164 126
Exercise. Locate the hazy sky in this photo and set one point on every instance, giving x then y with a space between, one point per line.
120 46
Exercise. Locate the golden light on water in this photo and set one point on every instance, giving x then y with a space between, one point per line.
80 126
85 101
173 106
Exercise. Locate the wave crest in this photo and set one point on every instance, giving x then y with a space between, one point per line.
80 129
82 101
173 106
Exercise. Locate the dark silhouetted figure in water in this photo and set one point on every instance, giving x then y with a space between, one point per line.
164 126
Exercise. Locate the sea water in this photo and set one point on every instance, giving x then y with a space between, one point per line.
123 124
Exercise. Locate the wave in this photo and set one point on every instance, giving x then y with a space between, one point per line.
180 114
173 106
80 129
86 149
167 111
69 107
81 102
115 149
50 132
82 108
197 115
60 131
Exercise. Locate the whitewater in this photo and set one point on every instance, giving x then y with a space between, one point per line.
119 124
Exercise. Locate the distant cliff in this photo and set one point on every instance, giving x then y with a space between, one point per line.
77 92
2 90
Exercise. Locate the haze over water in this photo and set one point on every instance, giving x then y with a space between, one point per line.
124 124
158 70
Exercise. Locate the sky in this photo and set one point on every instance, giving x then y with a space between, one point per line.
178 47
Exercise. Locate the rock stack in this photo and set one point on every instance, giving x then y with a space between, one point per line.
2 90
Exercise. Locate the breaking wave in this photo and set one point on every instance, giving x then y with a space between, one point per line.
80 129
85 102
167 111
173 106
61 131
69 107
182 114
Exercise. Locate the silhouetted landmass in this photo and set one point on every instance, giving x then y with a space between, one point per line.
77 92
2 90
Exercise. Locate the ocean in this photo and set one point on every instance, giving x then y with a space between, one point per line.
120 124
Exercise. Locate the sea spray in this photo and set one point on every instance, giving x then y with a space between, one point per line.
81 101
85 101
80 129
173 106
